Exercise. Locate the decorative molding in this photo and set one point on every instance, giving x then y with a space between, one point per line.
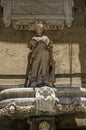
15 111
49 25
75 107
23 17
46 102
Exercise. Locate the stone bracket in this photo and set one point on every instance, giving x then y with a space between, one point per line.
6 4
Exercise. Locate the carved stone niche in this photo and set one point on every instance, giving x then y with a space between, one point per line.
23 14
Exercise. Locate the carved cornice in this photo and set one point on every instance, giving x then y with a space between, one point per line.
30 25
24 18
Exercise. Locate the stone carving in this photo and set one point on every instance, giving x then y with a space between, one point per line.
72 108
43 104
41 65
23 14
44 125
45 99
13 110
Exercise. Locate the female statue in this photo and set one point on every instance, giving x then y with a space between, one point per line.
41 66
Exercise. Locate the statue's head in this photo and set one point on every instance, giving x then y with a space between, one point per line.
39 28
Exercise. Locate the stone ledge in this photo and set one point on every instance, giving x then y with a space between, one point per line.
45 101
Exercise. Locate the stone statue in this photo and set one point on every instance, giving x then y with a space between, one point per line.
41 66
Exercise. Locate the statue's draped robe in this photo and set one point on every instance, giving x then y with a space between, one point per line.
41 66
40 63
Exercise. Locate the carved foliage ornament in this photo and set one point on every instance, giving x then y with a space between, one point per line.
44 125
15 111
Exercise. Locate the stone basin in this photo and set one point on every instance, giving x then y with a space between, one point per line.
24 102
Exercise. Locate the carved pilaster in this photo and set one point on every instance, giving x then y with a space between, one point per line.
6 12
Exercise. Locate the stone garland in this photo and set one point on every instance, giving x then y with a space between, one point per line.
14 110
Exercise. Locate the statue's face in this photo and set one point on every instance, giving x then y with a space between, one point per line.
39 31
